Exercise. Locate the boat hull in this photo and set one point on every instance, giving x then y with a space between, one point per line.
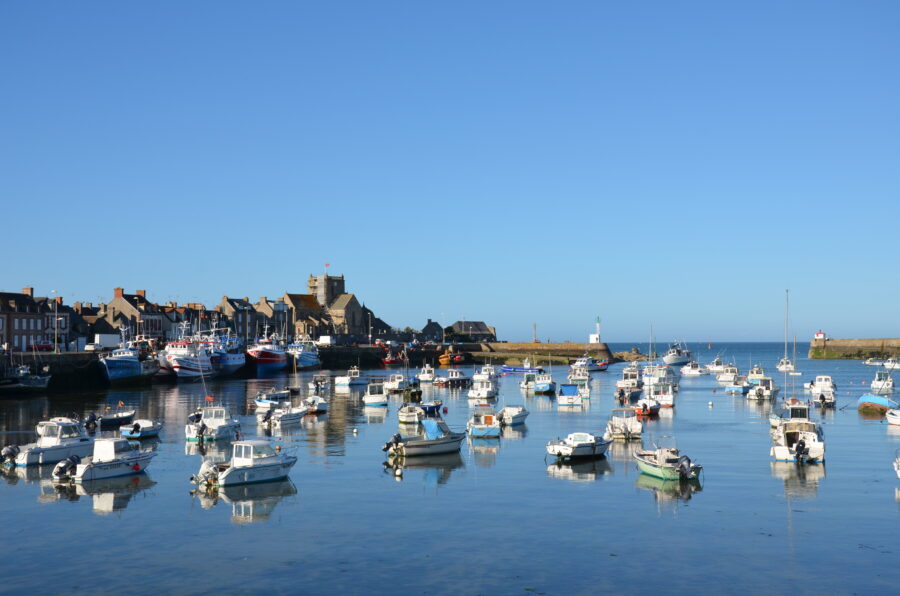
234 476
31 455
128 466
875 403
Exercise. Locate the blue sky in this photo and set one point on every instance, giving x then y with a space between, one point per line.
679 164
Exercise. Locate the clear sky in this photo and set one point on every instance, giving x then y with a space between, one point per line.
673 163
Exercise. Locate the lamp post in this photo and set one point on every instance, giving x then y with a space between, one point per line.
55 324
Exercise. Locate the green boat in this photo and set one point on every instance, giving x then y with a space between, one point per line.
666 463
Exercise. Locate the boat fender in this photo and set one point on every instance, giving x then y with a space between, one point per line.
9 453
136 467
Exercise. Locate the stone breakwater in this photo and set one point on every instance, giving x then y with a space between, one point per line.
854 349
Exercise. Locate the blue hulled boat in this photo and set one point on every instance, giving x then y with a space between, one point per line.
877 403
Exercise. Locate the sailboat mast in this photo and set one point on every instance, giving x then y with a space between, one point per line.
786 293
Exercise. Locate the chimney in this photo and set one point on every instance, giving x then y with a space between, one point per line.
59 300
142 294
117 293
246 299
90 305
29 291
77 306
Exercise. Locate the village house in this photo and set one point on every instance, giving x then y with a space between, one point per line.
306 316
474 331
23 321
141 316
271 313
241 315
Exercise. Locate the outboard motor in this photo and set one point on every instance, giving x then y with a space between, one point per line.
201 430
66 467
136 428
194 418
684 466
801 451
267 417
759 393
9 454
395 440
90 423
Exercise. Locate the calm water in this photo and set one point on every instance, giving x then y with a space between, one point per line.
496 519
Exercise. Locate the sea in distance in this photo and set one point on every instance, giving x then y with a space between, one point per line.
500 518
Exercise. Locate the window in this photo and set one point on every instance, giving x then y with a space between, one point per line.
31 323
16 323
16 340
40 324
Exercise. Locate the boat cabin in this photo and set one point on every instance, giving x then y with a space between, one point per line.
249 453
214 414
766 383
375 389
56 429
353 373
455 374
111 449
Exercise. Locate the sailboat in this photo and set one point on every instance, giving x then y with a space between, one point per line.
785 364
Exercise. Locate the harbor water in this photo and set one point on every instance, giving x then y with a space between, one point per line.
500 517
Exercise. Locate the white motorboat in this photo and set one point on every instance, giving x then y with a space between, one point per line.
569 395
678 354
694 369
764 388
891 363
283 416
426 374
623 425
483 389
527 381
211 424
580 376
883 382
576 445
589 364
316 404
304 352
273 398
375 395
512 415
58 438
484 423
822 383
716 366
486 373
111 458
892 416
756 373
318 384
410 414
729 375
797 438
656 373
436 440
141 429
873 362
825 398
663 393
352 378
631 377
785 365
646 406
454 378
396 383
251 461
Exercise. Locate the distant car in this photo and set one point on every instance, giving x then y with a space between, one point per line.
44 347
93 347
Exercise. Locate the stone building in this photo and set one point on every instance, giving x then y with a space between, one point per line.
326 288
306 316
347 316
241 315
134 310
272 314
476 331
23 322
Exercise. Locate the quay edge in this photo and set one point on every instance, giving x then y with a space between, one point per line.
853 349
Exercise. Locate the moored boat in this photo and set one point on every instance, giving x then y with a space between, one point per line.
426 374
111 458
678 354
568 395
512 415
141 429
667 463
212 423
58 438
375 395
877 404
251 462
798 438
577 445
353 378
268 354
484 423
437 439
623 425
589 364
882 383
694 369
544 383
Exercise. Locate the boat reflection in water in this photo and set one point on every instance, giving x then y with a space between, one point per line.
580 471
26 474
800 481
623 451
107 496
437 468
668 492
250 503
516 432
484 451
214 451
375 414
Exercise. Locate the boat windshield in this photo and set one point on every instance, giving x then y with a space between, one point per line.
260 451
68 431
47 429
